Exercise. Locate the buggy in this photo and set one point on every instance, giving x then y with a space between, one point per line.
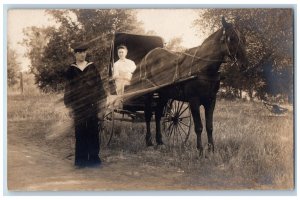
132 107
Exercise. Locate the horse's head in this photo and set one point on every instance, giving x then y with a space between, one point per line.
234 42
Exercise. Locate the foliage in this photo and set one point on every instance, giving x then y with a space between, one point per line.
175 44
49 48
36 40
269 36
13 67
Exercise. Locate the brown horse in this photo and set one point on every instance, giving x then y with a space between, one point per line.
160 66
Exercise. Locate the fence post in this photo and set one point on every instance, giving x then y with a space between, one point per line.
21 83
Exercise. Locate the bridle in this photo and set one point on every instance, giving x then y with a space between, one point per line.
233 56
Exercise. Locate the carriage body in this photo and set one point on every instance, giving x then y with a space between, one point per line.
138 46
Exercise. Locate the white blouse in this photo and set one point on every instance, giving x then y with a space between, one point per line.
123 69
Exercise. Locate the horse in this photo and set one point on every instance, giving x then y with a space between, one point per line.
204 61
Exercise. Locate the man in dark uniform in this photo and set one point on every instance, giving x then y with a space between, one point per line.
83 93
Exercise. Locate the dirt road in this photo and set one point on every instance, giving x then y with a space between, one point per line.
35 164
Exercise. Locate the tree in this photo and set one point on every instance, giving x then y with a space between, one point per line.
50 61
151 32
269 36
36 39
13 67
175 44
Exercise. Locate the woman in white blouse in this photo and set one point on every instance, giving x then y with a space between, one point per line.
123 70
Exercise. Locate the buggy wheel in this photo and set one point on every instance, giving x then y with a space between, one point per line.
177 122
107 128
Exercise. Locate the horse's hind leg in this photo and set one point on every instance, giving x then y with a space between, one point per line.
209 111
158 114
148 115
195 109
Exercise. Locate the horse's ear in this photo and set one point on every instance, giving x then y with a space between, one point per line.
224 23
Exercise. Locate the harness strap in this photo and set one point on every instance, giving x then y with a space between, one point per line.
208 77
151 82
193 60
199 58
176 71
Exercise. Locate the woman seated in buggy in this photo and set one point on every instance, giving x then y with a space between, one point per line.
129 50
123 70
122 74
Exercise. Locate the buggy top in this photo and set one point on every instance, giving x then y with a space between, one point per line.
138 46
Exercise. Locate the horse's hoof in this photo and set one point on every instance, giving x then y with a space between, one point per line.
208 155
211 148
210 151
161 146
149 144
150 148
200 152
160 143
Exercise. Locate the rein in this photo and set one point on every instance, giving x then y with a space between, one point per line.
199 58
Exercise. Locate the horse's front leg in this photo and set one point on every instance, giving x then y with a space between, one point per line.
195 110
209 111
148 115
158 114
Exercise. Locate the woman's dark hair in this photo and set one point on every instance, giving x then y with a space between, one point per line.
122 47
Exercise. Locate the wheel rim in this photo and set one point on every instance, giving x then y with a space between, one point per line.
107 128
177 122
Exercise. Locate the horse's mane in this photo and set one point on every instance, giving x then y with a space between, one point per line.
212 37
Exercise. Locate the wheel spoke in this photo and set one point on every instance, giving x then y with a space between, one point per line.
176 105
173 103
183 111
171 131
183 130
179 133
177 128
185 117
107 129
184 124
170 126
174 135
172 111
182 103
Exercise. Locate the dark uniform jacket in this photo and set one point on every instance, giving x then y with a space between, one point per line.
83 91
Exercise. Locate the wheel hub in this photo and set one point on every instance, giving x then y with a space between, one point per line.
175 119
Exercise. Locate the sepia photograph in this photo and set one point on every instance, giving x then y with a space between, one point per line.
150 99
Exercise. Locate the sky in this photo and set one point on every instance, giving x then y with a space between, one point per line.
170 23
167 23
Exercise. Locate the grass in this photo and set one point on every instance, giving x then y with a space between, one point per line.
252 146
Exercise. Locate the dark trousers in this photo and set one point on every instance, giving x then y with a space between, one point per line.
87 141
